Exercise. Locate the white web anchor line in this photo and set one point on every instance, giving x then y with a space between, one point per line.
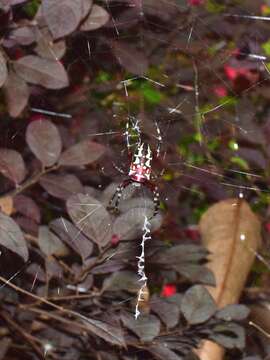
141 266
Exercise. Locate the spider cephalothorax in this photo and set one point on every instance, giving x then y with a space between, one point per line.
140 168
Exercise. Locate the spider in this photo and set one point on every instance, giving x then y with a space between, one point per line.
140 168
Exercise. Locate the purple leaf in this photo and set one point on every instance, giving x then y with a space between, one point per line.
91 217
62 17
12 237
147 327
27 207
49 243
83 153
167 311
3 69
47 48
12 165
129 225
122 280
24 35
17 94
45 72
96 19
197 305
162 352
107 332
73 237
86 7
61 186
44 140
133 60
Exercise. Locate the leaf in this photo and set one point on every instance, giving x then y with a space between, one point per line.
107 332
197 305
122 280
24 35
6 205
167 311
129 225
49 243
12 237
62 17
222 335
47 48
181 253
27 207
44 140
146 327
231 233
196 273
162 352
233 312
45 72
12 165
86 7
73 237
96 19
3 69
17 94
90 216
133 60
61 186
82 153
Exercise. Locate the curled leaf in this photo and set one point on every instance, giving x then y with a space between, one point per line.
44 140
231 233
45 72
12 237
12 165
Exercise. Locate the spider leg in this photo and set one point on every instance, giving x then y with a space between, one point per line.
159 140
154 190
114 202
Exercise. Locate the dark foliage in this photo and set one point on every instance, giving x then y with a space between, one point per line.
71 263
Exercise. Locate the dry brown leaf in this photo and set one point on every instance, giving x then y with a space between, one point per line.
6 205
231 232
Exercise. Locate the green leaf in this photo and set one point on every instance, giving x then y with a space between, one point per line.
266 47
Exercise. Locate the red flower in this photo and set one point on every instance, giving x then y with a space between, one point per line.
220 91
115 240
195 2
168 290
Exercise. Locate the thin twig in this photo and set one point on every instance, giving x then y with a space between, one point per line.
29 182
28 337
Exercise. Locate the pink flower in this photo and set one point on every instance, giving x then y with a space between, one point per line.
168 290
